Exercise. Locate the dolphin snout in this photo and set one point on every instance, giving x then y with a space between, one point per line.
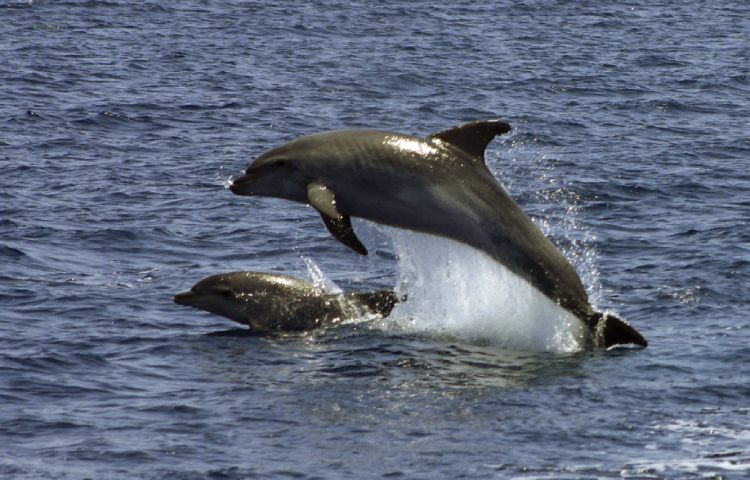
242 184
185 298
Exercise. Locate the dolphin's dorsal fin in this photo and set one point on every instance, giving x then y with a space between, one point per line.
323 200
472 137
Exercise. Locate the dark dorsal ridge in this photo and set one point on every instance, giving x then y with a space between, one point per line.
472 137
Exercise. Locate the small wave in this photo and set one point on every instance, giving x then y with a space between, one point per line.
109 235
11 253
218 106
670 105
57 361
664 61
354 369
111 119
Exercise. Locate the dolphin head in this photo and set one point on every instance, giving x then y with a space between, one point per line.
250 298
276 173
286 171
229 295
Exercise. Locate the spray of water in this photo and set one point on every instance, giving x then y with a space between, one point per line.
319 278
461 292
528 172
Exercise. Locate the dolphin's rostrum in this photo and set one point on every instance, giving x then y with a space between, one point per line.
438 185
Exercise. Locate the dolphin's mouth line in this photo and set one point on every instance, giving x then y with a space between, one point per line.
237 185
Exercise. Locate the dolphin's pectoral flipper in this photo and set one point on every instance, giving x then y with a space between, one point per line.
472 137
341 229
323 200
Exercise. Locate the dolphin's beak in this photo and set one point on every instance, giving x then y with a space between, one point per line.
241 186
185 298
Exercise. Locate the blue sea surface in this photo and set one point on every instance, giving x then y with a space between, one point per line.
121 124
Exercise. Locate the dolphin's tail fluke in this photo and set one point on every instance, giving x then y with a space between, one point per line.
610 331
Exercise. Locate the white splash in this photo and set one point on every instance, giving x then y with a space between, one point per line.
320 279
456 290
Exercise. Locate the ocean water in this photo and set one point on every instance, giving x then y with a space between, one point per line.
121 124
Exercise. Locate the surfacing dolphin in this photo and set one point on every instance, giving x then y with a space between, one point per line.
273 303
440 185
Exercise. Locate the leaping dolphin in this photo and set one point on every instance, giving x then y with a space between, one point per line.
272 303
440 185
